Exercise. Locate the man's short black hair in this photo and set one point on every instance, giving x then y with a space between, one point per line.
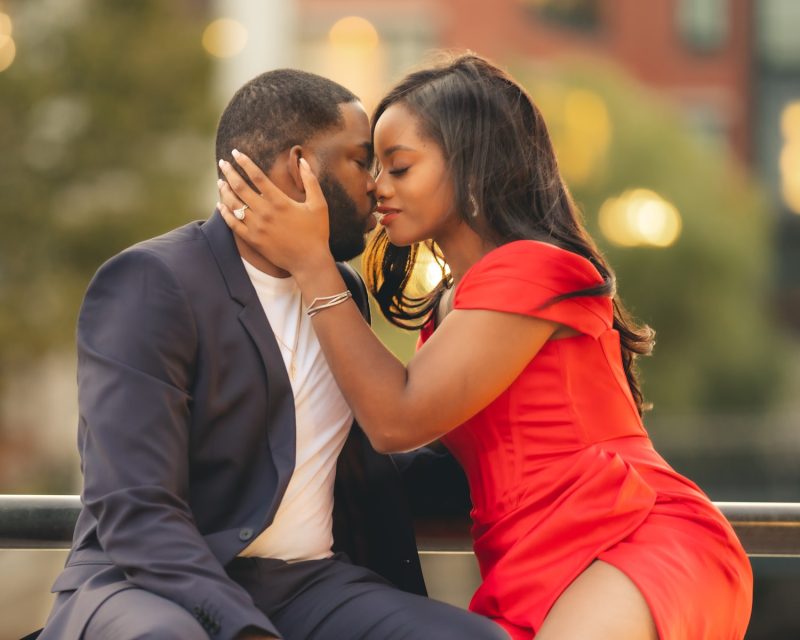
278 110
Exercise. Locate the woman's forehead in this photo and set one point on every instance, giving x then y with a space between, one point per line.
396 125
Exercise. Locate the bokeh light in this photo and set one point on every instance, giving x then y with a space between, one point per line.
588 134
224 38
353 56
581 128
640 217
354 32
433 273
8 49
5 24
790 156
427 272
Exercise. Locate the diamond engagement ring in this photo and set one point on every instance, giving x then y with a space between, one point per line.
239 213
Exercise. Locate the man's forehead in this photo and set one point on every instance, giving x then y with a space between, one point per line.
354 111
350 137
355 126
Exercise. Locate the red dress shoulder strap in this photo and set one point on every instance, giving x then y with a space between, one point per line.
526 275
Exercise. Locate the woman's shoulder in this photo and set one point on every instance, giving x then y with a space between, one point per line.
528 277
538 262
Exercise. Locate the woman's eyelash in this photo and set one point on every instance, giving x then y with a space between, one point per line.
398 172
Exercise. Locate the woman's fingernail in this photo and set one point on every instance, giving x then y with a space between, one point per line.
236 153
304 163
220 183
219 205
222 163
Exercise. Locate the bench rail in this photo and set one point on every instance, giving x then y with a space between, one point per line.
47 521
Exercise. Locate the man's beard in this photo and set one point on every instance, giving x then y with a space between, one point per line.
347 225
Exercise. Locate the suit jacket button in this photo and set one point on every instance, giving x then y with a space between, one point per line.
245 534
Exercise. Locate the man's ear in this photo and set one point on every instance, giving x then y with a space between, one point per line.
293 167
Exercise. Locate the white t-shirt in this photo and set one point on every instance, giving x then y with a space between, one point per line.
303 525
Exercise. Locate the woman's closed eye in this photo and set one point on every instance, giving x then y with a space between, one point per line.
398 171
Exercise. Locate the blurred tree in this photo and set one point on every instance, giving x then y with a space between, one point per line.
106 122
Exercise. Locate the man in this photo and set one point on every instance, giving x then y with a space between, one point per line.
210 425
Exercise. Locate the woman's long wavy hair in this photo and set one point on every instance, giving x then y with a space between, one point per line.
502 165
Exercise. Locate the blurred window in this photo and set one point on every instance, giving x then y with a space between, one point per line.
703 24
777 34
577 14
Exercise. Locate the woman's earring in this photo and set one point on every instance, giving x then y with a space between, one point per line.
474 202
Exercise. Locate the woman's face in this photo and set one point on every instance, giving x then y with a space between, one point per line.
414 189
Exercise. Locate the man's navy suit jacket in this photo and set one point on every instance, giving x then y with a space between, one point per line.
187 439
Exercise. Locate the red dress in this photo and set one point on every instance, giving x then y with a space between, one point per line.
562 472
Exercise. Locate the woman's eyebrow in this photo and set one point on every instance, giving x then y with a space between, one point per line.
397 147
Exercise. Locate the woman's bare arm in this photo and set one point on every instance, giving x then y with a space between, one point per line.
472 357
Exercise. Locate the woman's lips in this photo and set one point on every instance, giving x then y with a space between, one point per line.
386 214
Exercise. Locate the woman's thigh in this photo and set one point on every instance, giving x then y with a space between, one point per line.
601 603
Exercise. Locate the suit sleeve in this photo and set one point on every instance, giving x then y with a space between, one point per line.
137 350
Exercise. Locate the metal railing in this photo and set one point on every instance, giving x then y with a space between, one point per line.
37 521
47 521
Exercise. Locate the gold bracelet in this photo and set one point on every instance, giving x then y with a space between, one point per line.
327 302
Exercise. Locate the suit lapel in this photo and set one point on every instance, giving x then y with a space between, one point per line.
282 426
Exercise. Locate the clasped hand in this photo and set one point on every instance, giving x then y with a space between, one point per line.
292 235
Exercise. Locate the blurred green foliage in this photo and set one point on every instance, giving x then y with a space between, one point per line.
106 123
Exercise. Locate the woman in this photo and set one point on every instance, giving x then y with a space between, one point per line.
525 369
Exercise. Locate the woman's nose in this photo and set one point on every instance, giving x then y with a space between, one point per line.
382 189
